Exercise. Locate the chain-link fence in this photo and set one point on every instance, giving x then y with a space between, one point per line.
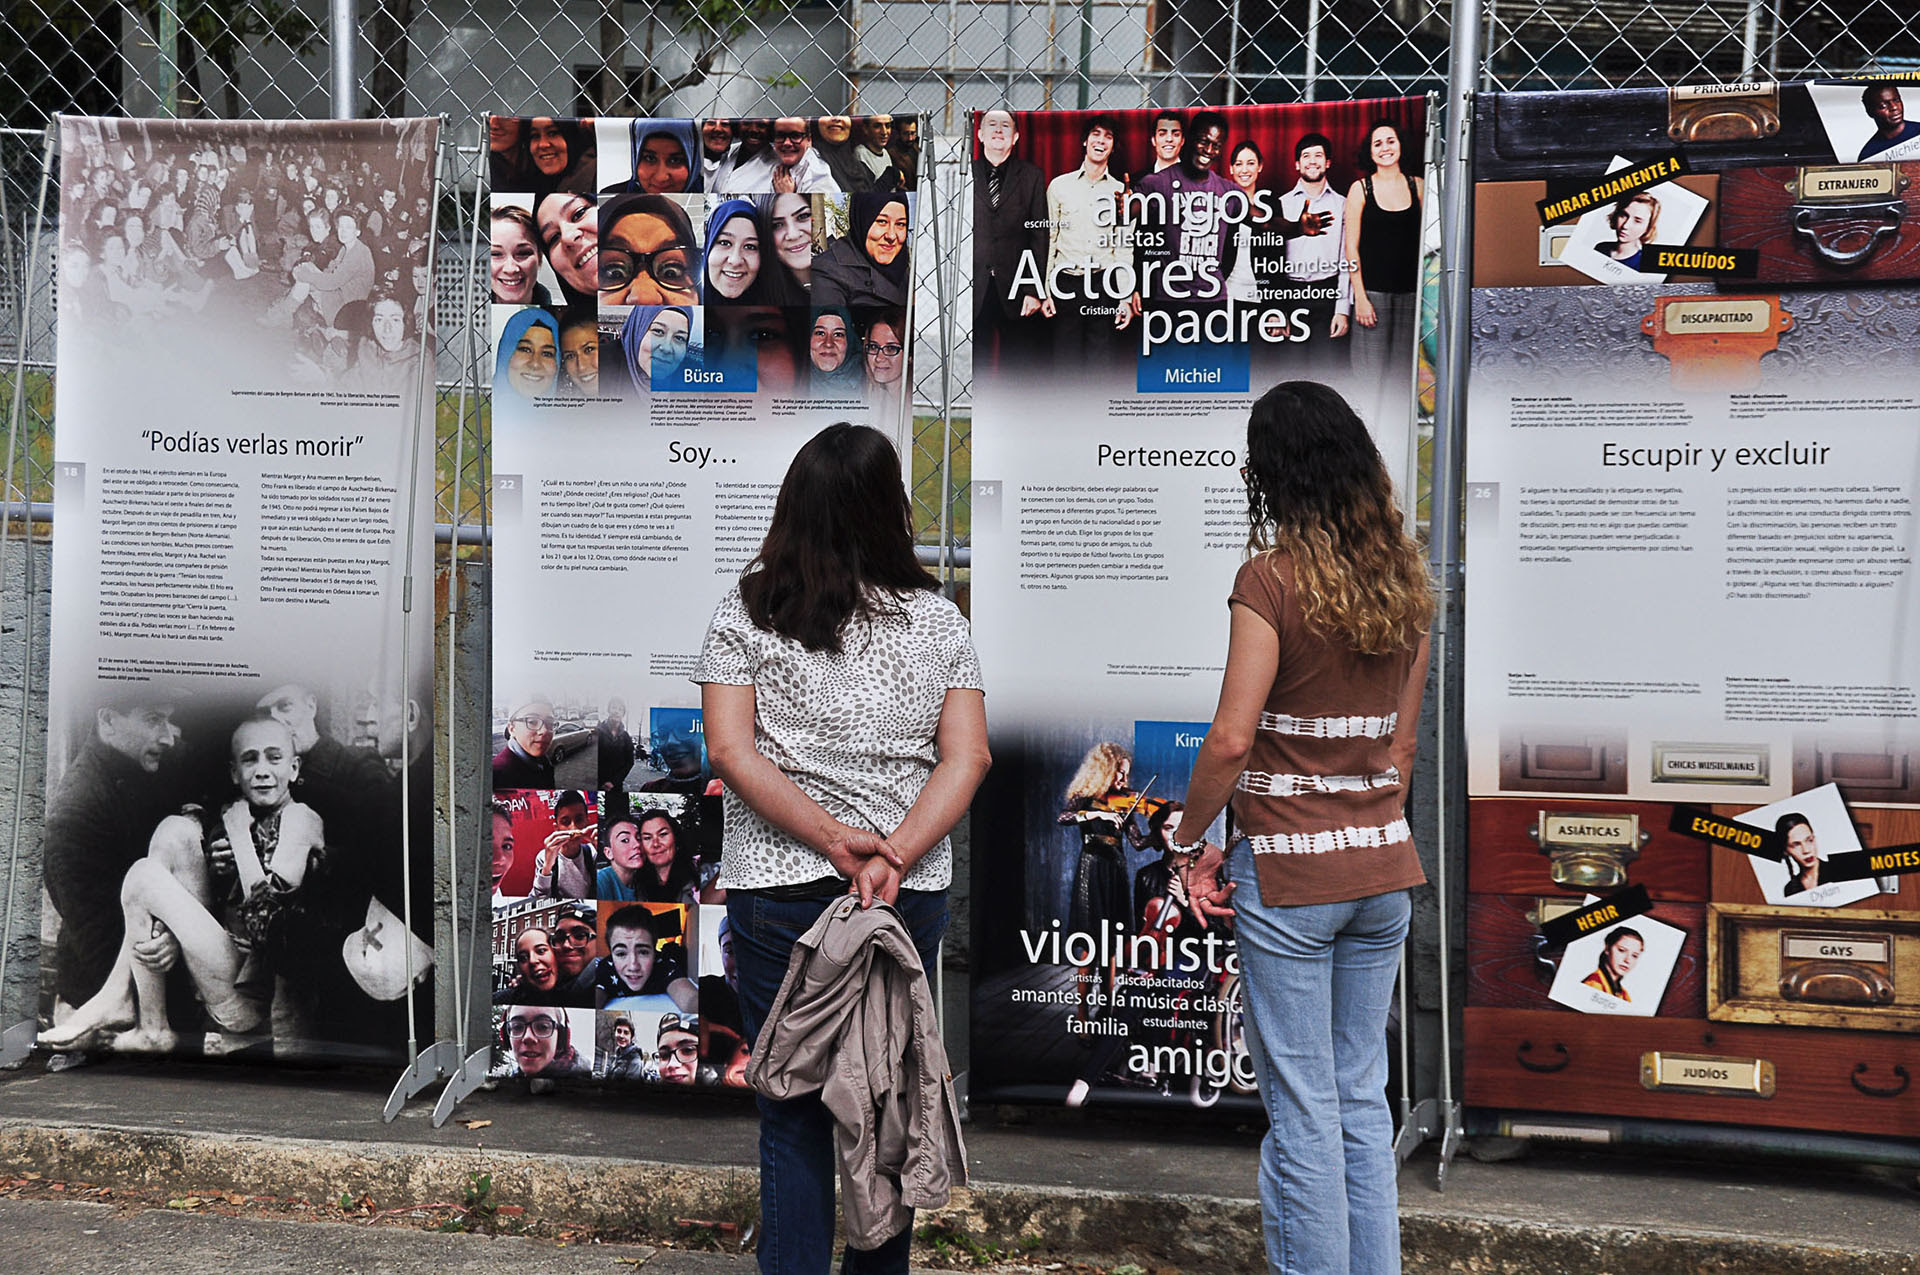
935 58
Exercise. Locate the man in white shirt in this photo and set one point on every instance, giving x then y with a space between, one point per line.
1314 261
1169 137
1083 213
716 139
790 166
754 143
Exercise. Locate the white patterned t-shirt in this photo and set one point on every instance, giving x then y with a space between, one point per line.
854 731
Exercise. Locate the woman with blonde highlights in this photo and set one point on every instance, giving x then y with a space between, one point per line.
1312 740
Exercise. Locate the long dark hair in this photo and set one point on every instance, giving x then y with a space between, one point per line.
1318 491
840 544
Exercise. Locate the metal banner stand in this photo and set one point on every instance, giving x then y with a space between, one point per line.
440 1058
472 1067
1415 1125
1441 1115
16 1041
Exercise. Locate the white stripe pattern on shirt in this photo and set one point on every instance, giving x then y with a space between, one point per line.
1264 784
1348 838
1330 727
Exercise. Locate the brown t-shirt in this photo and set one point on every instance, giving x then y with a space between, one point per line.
1323 798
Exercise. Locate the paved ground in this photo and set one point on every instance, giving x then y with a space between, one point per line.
1101 1186
46 1237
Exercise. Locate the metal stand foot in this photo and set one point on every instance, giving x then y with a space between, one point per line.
1417 1127
1449 1145
430 1064
17 1042
470 1076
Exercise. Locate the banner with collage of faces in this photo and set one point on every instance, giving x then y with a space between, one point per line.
678 305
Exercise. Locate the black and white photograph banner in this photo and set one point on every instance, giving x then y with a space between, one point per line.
239 384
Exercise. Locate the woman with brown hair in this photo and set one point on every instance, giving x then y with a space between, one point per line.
514 264
1313 738
1383 247
844 714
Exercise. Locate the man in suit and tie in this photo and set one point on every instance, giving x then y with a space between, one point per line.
1009 222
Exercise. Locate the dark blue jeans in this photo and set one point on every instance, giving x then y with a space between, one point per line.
798 1164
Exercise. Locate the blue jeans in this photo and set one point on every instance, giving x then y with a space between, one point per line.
1318 981
798 1163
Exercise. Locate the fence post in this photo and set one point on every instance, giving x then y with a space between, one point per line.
1456 296
1233 53
341 38
1312 69
1086 53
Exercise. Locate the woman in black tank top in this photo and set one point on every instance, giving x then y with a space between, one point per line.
1383 247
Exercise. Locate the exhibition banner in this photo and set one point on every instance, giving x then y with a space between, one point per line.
239 389
1139 279
678 305
1692 457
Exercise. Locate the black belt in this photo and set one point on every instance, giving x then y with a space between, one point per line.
806 891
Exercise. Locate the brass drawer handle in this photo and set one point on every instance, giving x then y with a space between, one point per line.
1837 983
1548 1068
1876 1091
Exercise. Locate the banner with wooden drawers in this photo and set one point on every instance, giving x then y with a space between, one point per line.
1693 715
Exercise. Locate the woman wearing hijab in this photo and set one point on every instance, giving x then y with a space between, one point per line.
869 266
655 340
527 360
736 245
666 159
837 362
648 255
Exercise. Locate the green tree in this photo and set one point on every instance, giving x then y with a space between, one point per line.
220 31
709 28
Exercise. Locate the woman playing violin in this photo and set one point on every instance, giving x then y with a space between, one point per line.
1102 806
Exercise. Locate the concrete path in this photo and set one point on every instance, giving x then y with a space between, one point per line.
1102 1187
45 1237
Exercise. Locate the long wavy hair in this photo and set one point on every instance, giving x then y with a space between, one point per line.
1318 491
1099 771
840 545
